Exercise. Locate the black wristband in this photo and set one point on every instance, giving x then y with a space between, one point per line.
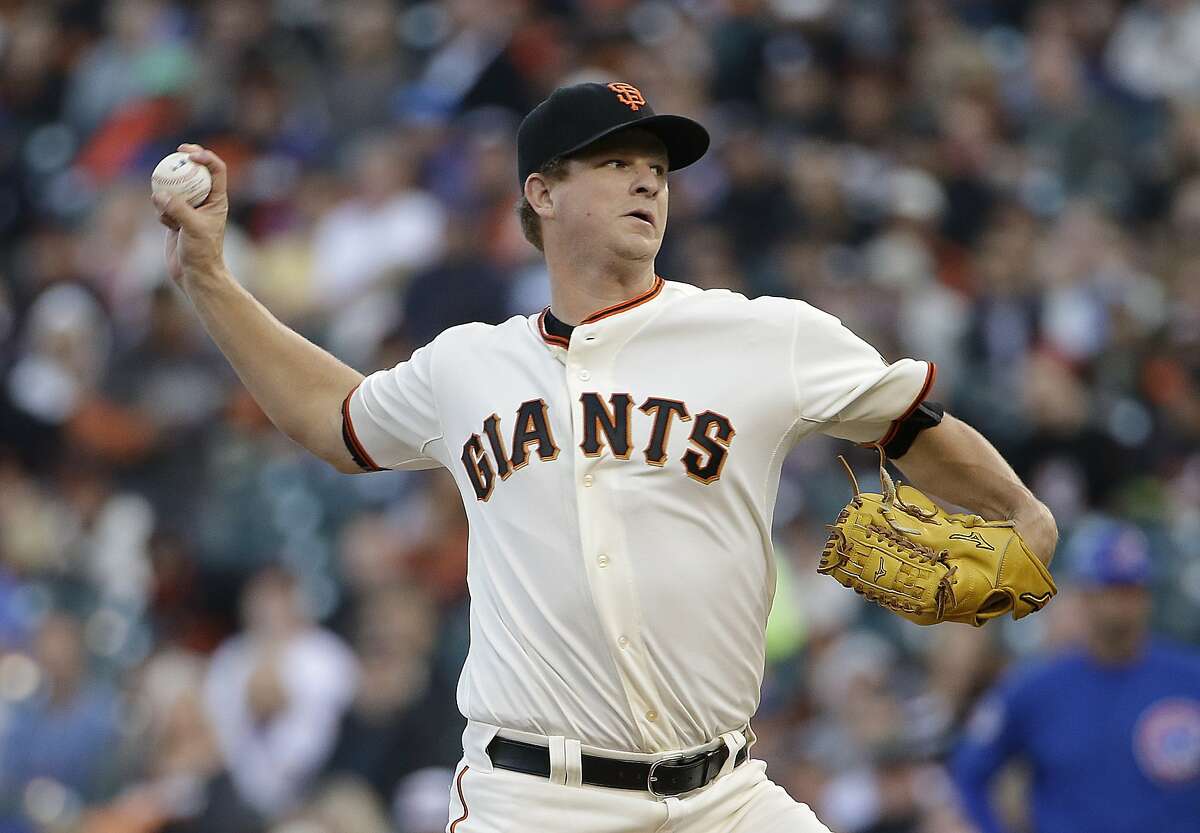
925 415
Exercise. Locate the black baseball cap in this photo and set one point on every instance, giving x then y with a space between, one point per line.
574 117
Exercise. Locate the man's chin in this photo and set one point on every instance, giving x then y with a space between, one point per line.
638 248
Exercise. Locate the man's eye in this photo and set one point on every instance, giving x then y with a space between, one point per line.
659 170
615 162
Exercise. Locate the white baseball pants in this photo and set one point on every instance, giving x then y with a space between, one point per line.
739 800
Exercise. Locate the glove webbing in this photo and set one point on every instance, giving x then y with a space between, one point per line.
896 537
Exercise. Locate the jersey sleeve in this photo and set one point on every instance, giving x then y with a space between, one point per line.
845 386
390 421
992 737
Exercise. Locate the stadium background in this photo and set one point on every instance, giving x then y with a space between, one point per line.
1011 189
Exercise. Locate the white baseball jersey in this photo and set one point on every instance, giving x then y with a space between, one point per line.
619 486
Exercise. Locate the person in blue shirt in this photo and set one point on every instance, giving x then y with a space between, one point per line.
1111 729
62 735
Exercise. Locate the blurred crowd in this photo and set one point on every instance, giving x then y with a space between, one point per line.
204 629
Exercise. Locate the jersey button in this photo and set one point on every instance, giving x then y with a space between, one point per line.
602 560
623 641
652 715
584 375
588 480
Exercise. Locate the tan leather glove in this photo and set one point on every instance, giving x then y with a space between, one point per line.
902 551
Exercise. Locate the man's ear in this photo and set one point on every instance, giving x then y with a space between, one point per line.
537 192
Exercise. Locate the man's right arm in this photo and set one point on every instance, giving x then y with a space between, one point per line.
298 385
991 739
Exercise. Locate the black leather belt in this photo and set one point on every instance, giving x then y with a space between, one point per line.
670 776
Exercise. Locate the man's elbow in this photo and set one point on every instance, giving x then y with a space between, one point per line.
339 456
327 445
345 465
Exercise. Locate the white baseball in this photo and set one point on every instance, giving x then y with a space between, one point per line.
177 174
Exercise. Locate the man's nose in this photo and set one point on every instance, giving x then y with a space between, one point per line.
646 182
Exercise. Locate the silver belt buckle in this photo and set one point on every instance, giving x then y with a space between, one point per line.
651 778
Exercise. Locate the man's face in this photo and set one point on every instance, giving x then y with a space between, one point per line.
614 197
1118 615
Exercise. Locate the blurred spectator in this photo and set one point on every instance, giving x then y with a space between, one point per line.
895 795
141 56
420 805
179 784
276 693
64 350
161 393
388 733
463 287
339 807
1111 731
370 242
370 66
56 739
1154 48
109 535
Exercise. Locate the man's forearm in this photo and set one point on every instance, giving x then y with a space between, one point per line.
976 804
954 462
298 385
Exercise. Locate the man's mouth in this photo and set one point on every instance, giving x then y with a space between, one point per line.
645 216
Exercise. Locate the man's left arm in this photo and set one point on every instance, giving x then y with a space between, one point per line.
954 462
844 386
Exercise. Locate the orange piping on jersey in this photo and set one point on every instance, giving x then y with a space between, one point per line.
356 447
466 812
557 341
624 306
930 376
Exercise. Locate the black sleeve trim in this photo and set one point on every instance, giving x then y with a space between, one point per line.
357 452
930 378
925 415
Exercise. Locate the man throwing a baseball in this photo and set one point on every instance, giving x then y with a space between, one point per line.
618 455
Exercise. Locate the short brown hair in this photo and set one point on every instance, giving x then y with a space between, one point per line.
531 223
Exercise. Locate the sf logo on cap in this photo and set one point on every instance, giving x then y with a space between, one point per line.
628 95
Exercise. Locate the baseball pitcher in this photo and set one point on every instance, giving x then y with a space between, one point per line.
618 455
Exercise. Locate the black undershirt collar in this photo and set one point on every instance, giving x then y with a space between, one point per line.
555 327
